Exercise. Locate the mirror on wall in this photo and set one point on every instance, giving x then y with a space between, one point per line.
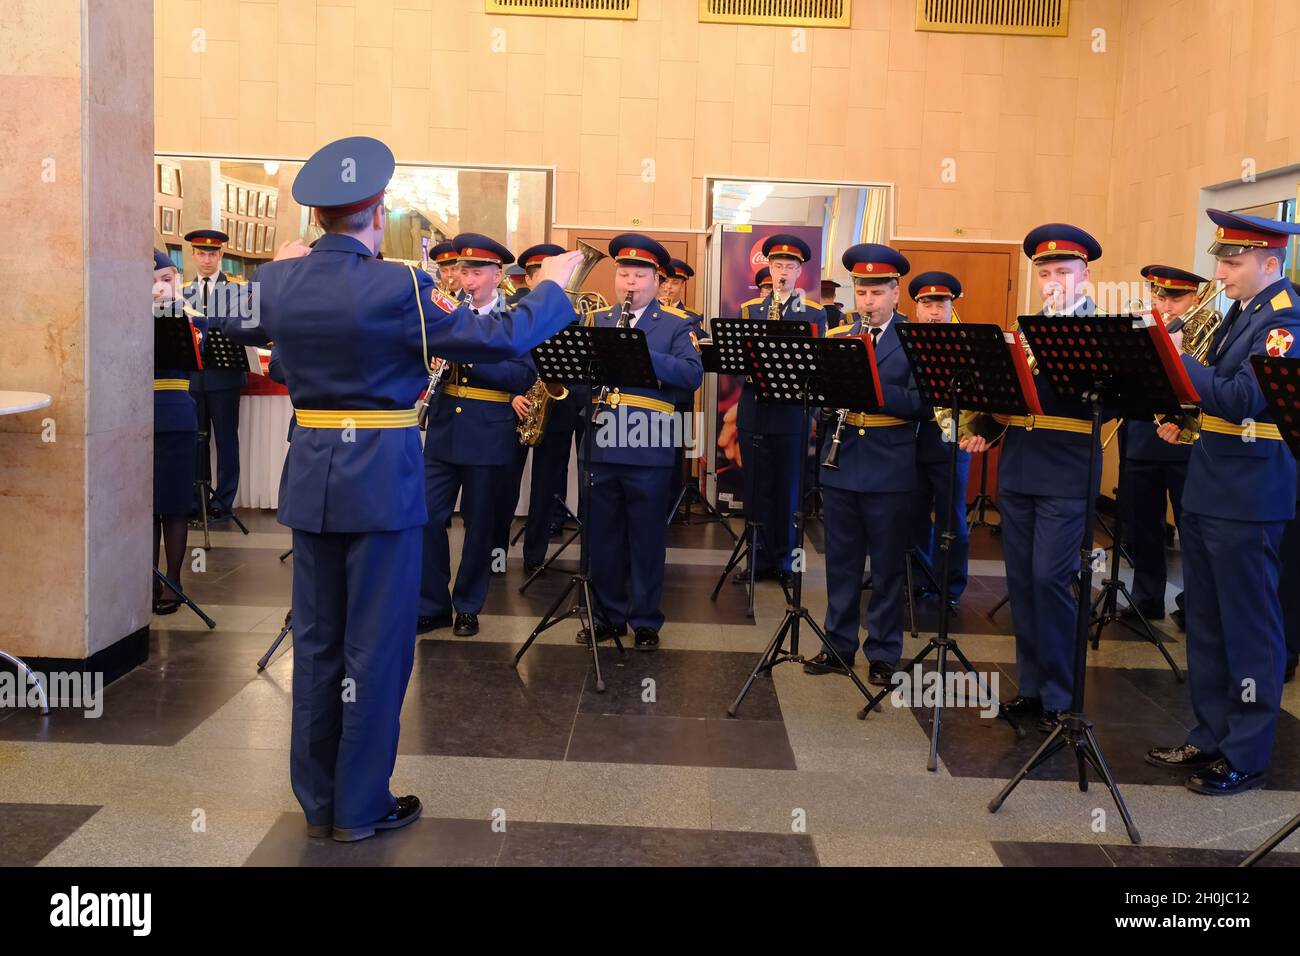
251 200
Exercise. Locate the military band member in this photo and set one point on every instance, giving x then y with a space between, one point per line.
673 292
867 500
934 294
445 258
215 391
772 470
1155 470
1043 489
1240 493
834 312
630 475
175 431
470 451
763 281
355 336
1289 589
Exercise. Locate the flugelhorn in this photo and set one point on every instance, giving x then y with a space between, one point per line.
1198 325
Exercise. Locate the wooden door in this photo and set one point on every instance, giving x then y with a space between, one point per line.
989 274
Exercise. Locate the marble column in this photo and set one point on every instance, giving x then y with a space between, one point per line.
76 144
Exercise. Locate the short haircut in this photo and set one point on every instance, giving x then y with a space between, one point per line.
873 280
1279 254
348 223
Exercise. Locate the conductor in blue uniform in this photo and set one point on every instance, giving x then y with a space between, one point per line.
470 451
216 391
1154 470
1043 490
632 445
868 498
356 335
773 439
935 294
1240 493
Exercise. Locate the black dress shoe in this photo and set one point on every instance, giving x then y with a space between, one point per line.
1289 674
881 674
824 663
647 639
1220 780
431 622
466 625
1179 617
530 569
405 811
166 607
785 578
1022 708
320 830
555 530
1150 613
742 577
1185 757
603 633
1048 720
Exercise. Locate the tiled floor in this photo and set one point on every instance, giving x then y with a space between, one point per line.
531 766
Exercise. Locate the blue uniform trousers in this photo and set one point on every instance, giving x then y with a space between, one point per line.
1235 647
549 478
932 495
1041 538
353 617
857 525
771 494
219 416
508 500
1290 589
627 537
477 486
1146 485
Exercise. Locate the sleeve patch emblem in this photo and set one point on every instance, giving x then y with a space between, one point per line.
1279 342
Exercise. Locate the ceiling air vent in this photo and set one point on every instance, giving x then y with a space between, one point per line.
590 9
778 13
1036 18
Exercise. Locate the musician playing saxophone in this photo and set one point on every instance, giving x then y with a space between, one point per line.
867 497
1240 493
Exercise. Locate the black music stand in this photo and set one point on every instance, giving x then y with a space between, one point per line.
1110 365
1279 378
599 358
219 352
727 356
689 494
838 372
968 367
174 348
279 639
982 503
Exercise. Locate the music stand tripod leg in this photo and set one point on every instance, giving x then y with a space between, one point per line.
1272 843
22 668
185 598
284 632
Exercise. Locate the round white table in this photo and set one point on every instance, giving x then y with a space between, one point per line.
13 403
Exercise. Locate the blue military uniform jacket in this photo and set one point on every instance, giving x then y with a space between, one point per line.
1141 443
1229 476
695 318
680 370
173 409
775 419
347 327
880 458
1049 462
221 379
470 431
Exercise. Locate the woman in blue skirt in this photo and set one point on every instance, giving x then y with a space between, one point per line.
175 436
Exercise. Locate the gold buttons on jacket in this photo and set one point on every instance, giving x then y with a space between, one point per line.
458 409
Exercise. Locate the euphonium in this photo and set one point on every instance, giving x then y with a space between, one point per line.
1198 325
585 303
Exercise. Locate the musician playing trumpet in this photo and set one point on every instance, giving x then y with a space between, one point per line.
867 495
934 294
631 462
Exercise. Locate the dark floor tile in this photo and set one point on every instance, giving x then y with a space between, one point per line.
1050 854
752 744
1174 856
29 831
671 741
686 684
426 842
565 844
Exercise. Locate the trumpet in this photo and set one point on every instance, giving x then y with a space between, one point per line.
1198 325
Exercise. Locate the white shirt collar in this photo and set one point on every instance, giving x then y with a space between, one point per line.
867 326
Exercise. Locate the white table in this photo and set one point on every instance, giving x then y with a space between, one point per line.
13 403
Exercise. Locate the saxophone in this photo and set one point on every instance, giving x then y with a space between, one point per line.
542 397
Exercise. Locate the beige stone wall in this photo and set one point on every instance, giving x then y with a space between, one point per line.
1028 121
76 140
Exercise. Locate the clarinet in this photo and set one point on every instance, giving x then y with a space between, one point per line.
832 461
430 397
624 317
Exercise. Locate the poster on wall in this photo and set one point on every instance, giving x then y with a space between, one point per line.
742 257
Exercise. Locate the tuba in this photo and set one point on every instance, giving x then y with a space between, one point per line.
542 396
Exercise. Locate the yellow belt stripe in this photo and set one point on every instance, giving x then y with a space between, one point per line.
1221 426
1050 422
171 385
864 420
480 394
360 418
638 401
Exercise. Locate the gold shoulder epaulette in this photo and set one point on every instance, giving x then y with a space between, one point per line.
839 330
758 301
1281 301
813 305
673 310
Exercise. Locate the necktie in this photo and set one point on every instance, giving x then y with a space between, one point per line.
875 337
207 292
